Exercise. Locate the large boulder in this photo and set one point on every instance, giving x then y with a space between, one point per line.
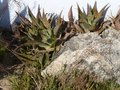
99 54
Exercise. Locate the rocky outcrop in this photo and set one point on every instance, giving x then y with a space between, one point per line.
99 54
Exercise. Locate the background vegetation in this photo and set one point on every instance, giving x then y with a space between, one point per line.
32 44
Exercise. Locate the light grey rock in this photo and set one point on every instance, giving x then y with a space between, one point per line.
111 33
99 55
79 42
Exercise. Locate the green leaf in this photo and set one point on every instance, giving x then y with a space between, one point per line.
80 14
95 11
33 19
45 20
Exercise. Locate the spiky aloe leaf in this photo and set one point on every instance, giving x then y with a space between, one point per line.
70 15
95 11
24 57
53 22
23 20
33 19
90 16
59 19
57 22
39 13
103 12
45 20
81 15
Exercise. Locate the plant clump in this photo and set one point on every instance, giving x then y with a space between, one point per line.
92 20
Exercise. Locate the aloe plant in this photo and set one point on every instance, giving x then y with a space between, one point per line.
42 35
37 38
91 20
